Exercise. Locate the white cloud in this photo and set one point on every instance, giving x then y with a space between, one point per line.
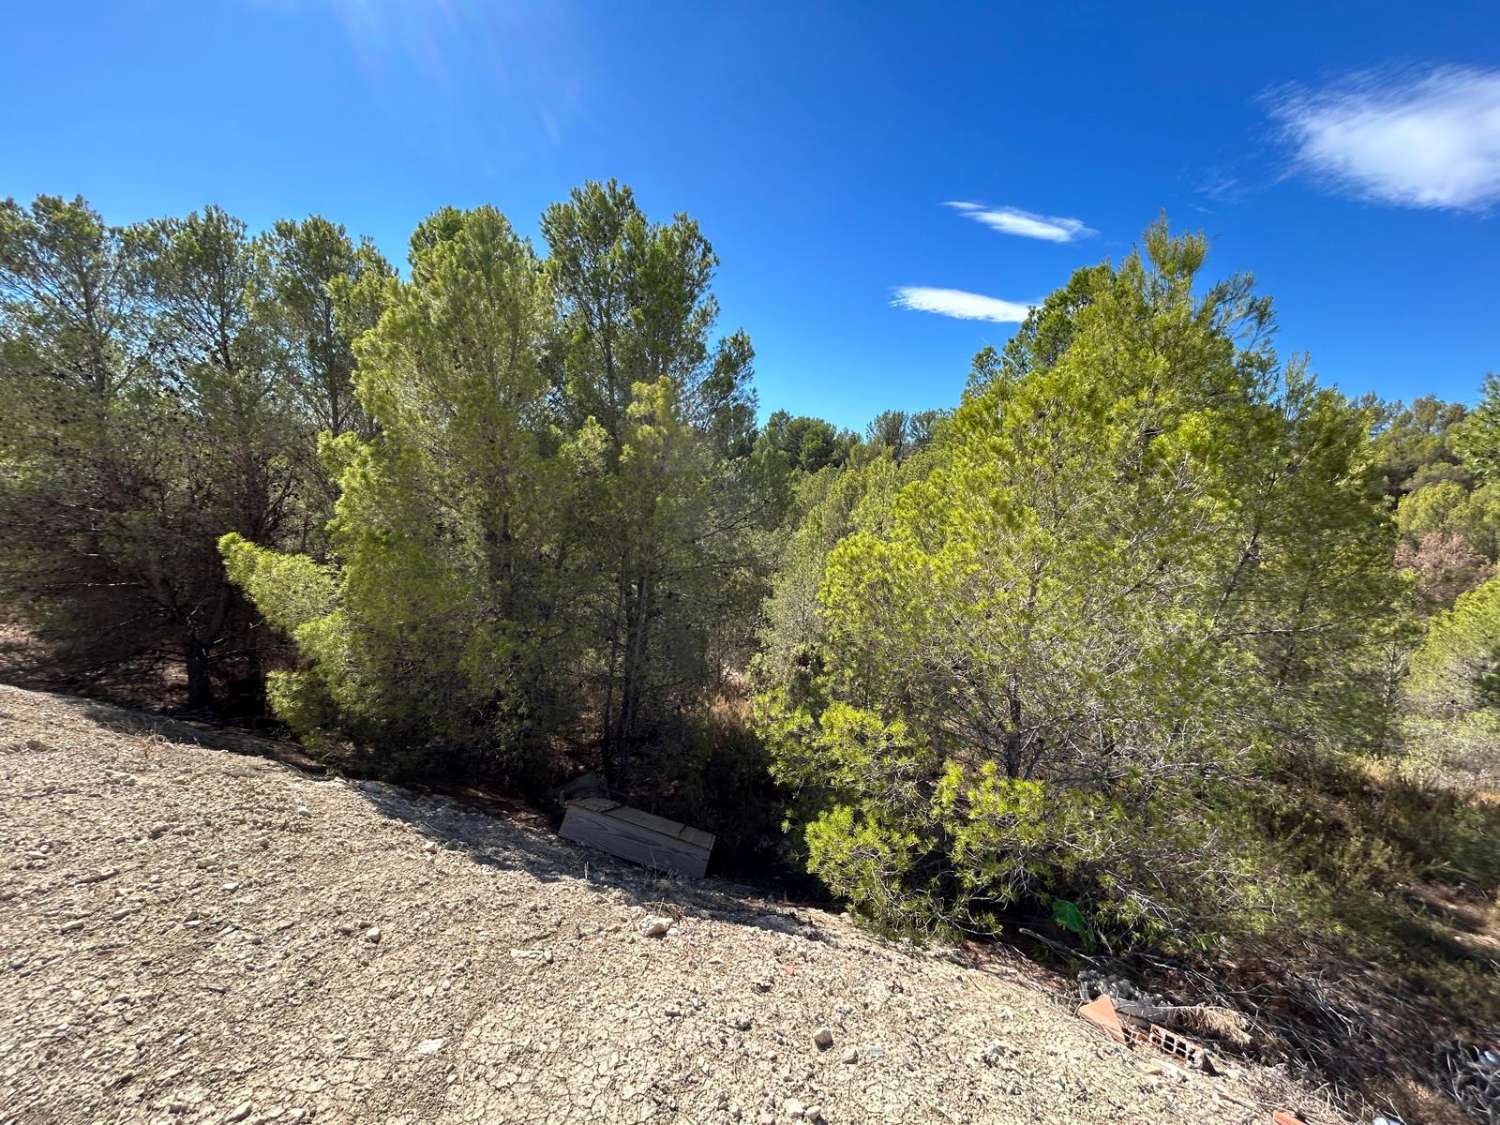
960 303
1012 220
1420 141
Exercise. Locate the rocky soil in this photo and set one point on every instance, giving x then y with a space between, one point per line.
189 935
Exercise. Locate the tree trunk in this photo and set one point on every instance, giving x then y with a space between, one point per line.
200 684
633 667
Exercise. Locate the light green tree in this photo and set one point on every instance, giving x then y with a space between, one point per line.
438 632
1144 556
1476 439
1453 690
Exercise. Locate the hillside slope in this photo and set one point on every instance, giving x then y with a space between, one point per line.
190 935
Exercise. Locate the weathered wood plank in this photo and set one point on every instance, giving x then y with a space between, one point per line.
599 823
697 836
594 804
649 821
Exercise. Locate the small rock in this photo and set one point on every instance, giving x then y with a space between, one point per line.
993 1052
372 934
794 1109
239 1112
851 1055
70 927
814 1113
742 1023
655 926
430 1046
823 1037
230 888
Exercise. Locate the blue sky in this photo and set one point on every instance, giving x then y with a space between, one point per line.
1349 155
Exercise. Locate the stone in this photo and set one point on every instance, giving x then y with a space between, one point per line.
372 934
993 1052
851 1055
239 1112
814 1113
655 926
430 1046
823 1037
742 1023
794 1109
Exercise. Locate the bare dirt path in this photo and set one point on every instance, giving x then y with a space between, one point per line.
190 935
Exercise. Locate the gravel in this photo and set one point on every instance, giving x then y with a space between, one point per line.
273 946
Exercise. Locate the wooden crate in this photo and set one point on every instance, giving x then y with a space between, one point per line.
652 841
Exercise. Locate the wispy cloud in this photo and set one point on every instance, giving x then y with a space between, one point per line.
1012 220
1429 139
960 303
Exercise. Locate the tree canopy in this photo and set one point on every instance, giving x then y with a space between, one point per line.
1143 555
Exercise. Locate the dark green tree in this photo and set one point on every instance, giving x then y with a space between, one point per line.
670 537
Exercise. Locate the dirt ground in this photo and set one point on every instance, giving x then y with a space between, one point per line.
193 935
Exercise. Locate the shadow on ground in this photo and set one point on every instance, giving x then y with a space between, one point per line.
195 732
491 841
488 830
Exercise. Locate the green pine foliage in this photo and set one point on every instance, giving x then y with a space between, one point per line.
1453 691
553 532
158 392
1144 559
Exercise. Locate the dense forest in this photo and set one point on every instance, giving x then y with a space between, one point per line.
1152 635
